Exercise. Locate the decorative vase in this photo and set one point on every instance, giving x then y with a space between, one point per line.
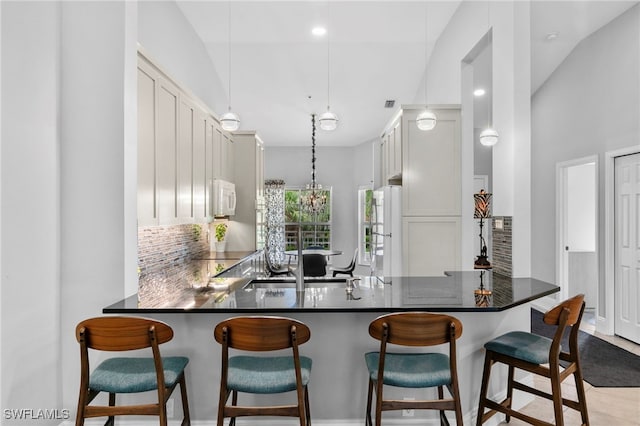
221 246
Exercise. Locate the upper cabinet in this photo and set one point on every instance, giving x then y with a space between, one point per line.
428 166
248 222
391 153
431 182
181 149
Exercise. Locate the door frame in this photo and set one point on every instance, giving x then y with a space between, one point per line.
562 261
606 323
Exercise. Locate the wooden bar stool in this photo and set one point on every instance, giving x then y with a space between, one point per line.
263 374
542 356
128 375
414 370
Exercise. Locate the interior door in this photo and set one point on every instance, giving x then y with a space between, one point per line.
627 246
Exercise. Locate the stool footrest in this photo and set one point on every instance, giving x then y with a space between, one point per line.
503 408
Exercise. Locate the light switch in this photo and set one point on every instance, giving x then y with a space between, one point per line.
498 223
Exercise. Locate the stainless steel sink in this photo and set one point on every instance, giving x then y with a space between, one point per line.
290 282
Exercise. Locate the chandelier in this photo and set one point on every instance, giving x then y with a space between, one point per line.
314 200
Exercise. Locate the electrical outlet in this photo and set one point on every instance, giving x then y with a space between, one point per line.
408 412
170 408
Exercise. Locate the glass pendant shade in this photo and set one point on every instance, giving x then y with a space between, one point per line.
230 121
328 121
489 137
426 120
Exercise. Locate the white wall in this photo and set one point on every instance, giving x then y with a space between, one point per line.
511 183
589 105
344 169
166 35
581 207
30 190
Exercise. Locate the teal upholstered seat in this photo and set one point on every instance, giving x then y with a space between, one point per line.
130 375
245 372
411 370
415 369
522 345
254 374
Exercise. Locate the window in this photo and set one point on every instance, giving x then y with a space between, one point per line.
316 228
365 198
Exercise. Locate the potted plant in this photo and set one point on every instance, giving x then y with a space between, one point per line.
221 232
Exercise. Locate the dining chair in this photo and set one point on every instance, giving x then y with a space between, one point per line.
414 369
542 356
274 270
315 265
126 375
346 270
246 373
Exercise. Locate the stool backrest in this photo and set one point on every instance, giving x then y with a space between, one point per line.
574 305
416 328
261 333
121 333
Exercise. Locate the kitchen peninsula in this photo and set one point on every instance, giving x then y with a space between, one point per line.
339 318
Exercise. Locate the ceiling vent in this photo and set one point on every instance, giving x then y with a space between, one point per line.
389 103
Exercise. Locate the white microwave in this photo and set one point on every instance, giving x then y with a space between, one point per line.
223 198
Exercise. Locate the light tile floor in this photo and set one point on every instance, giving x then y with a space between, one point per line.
606 406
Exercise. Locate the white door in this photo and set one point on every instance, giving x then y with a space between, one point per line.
627 246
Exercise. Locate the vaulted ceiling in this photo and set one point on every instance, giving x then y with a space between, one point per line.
280 73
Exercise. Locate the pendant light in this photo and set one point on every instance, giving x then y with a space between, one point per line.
229 120
489 136
328 120
427 119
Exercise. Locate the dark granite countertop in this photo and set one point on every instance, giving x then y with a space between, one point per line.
453 292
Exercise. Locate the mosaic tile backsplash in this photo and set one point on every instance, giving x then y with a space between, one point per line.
502 246
166 253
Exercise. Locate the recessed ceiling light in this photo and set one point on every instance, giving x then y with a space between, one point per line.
319 31
479 92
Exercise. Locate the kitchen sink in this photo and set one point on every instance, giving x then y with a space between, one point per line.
290 282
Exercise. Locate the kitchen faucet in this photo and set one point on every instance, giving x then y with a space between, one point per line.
299 272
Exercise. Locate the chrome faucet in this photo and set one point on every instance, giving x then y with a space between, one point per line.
299 272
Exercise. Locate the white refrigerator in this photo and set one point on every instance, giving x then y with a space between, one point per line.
386 232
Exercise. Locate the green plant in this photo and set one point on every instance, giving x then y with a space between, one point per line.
221 231
197 231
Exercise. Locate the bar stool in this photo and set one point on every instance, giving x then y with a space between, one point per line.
530 352
128 375
414 370
263 374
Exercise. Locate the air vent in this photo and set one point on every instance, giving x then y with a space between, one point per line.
389 103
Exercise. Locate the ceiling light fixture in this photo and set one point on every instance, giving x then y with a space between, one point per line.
427 119
489 136
229 120
319 31
479 92
328 120
314 199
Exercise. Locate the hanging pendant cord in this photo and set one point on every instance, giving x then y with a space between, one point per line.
328 61
229 49
313 155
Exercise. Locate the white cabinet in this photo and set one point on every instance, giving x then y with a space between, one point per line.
427 165
391 153
431 161
181 149
247 233
147 208
166 141
431 245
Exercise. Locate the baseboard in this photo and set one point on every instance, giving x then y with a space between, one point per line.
254 422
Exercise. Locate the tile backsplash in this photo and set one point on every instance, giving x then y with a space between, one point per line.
502 246
169 251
